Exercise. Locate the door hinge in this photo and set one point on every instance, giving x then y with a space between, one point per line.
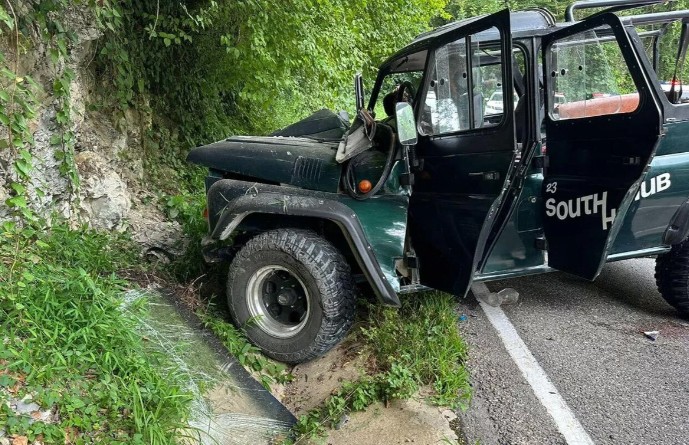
411 261
541 161
541 243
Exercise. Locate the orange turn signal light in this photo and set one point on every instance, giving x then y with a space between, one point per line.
365 186
205 213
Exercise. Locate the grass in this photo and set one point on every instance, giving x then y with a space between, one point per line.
422 336
416 345
65 341
266 370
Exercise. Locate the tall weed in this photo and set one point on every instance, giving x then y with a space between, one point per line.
65 341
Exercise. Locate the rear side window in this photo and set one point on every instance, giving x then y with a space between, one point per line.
589 77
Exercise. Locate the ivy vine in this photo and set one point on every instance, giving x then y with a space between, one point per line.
17 109
24 30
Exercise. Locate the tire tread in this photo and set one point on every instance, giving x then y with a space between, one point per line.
672 277
331 273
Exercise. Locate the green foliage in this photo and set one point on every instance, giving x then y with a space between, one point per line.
188 210
418 344
669 46
66 340
422 337
248 355
17 109
216 68
39 22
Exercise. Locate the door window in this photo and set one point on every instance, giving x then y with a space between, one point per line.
465 74
664 57
589 77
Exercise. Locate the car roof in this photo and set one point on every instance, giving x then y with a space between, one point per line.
526 23
529 22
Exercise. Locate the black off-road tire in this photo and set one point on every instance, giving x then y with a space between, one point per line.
323 280
672 277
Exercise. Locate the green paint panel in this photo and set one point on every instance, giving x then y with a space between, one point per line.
384 219
665 187
675 139
515 249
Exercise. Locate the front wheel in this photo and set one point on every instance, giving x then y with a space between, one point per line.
672 277
293 294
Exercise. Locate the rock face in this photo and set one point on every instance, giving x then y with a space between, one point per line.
107 149
104 198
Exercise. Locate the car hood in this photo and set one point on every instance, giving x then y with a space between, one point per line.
300 162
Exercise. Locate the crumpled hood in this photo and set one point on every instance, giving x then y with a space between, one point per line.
300 162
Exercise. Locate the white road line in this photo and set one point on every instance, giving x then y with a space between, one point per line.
544 389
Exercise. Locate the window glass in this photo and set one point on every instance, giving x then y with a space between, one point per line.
589 77
460 84
490 84
390 83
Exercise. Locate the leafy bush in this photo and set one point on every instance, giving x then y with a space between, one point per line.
250 66
188 209
66 341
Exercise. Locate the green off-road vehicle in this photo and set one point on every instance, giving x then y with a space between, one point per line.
586 160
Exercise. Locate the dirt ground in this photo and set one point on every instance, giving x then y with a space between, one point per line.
402 422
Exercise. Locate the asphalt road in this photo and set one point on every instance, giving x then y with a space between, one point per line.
588 337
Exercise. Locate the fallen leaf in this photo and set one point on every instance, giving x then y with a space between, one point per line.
20 440
71 433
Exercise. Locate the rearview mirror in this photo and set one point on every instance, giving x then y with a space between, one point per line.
406 126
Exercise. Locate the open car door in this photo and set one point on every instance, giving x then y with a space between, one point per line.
466 150
602 128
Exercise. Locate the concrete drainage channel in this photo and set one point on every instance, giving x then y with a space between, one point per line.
230 407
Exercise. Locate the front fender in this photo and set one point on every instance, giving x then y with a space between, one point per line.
230 201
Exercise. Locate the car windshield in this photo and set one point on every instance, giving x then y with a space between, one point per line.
390 82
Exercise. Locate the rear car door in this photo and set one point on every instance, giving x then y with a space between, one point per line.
602 128
465 152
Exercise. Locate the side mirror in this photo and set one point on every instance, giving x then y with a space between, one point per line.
406 126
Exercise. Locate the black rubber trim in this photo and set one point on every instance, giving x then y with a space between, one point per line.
678 229
280 200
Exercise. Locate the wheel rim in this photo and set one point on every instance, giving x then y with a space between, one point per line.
278 301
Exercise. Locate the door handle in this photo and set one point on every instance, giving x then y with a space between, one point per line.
485 176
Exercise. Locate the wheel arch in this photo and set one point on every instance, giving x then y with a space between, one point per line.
259 222
678 229
273 208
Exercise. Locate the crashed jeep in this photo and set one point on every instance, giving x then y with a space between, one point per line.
430 188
